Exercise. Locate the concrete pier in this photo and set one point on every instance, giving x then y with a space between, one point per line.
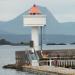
42 70
47 70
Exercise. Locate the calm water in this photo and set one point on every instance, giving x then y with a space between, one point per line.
7 56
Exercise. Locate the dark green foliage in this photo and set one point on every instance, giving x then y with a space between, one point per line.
56 44
24 43
4 42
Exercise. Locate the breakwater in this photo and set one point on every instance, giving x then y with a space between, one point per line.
43 70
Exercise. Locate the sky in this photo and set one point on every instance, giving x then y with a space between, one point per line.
63 10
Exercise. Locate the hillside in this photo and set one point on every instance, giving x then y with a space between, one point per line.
15 31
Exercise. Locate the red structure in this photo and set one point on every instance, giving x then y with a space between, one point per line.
34 10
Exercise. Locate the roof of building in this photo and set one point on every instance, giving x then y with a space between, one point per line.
34 10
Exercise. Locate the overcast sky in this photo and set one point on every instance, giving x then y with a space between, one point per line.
63 10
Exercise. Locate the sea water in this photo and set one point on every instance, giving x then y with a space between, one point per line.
7 56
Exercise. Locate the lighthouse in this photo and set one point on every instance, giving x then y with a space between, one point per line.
34 19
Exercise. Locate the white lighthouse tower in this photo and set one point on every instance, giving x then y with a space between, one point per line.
35 19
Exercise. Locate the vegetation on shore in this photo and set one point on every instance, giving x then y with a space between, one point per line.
56 44
5 42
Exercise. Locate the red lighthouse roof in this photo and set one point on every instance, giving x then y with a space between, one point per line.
34 10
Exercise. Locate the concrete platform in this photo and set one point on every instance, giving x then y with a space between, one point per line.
47 70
